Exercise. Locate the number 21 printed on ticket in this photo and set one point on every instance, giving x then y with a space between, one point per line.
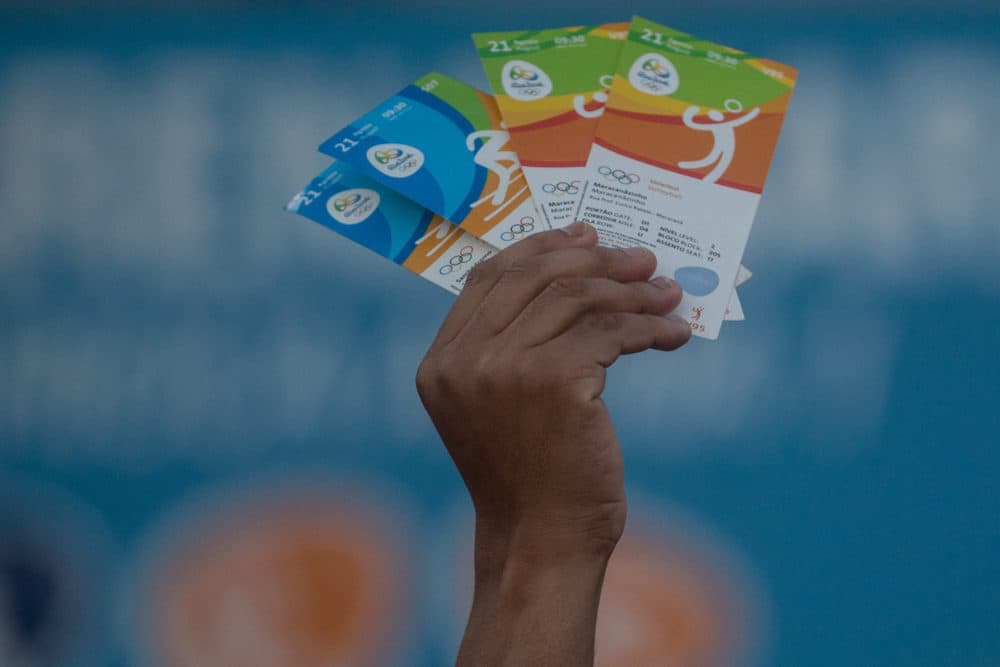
439 142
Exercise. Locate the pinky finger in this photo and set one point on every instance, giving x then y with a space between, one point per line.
603 337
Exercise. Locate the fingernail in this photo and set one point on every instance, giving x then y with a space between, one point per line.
637 252
663 282
578 228
677 318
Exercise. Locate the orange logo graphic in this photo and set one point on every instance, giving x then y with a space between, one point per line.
665 603
295 582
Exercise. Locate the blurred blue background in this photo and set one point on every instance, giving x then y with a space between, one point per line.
182 360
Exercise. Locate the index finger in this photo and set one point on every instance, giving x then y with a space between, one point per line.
484 277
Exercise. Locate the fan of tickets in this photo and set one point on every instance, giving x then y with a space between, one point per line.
656 138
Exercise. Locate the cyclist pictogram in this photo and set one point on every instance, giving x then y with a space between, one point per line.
503 163
441 232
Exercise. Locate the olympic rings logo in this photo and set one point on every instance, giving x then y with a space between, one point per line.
384 156
561 188
618 175
344 202
464 256
517 73
518 229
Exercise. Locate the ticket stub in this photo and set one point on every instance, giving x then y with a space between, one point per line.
680 157
374 216
743 274
734 311
351 204
441 144
551 86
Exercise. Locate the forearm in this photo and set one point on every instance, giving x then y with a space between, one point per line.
534 603
513 383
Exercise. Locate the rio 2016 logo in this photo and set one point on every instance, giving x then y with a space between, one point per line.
352 207
464 256
396 160
525 225
656 67
525 82
343 203
653 74
623 177
383 157
562 189
525 73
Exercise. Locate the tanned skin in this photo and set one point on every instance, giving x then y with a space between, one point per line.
513 383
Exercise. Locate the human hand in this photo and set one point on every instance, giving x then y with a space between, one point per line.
513 383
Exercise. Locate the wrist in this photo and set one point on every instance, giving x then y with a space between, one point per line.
512 551
535 599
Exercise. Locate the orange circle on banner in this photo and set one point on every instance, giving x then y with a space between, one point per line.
665 604
300 582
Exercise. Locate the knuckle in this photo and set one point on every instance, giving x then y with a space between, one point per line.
426 378
449 372
596 263
440 376
613 255
489 376
607 322
567 288
592 258
481 367
619 259
493 375
649 298
551 239
518 268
